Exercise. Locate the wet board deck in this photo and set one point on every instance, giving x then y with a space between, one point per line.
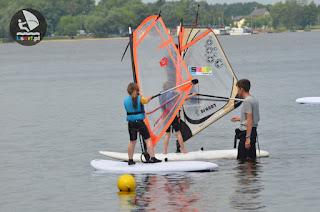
170 166
309 100
196 155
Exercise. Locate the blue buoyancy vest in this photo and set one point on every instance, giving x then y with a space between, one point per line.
134 114
164 98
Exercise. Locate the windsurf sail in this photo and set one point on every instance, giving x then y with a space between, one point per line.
158 69
206 61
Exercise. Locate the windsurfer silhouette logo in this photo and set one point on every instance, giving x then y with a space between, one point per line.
28 27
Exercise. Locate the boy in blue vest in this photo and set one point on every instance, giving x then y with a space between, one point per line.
175 123
135 115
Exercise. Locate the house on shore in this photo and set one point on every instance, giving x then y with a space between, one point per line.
260 12
238 21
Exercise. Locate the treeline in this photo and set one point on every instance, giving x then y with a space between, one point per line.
110 17
292 15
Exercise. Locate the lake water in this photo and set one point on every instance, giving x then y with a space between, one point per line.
62 102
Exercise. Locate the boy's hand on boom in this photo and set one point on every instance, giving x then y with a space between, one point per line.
191 95
235 119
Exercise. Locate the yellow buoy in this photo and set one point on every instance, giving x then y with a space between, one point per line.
126 183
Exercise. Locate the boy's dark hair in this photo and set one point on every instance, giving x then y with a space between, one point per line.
245 84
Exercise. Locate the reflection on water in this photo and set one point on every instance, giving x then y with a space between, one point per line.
248 187
127 200
165 193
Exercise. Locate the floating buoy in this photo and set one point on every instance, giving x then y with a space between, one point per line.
126 183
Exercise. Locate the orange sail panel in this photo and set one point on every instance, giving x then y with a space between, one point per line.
158 67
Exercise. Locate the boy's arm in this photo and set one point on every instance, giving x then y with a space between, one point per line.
191 95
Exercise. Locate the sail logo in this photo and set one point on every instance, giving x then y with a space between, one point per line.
164 62
28 27
196 70
208 108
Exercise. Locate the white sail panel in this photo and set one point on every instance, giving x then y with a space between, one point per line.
206 62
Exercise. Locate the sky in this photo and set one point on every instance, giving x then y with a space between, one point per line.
234 1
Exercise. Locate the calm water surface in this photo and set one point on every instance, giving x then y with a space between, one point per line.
62 102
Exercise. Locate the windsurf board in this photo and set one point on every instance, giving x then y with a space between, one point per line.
309 100
171 166
195 155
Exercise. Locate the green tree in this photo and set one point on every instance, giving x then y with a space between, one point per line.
262 21
292 12
5 18
130 12
312 13
109 4
156 7
96 25
116 17
68 25
277 14
169 16
186 10
75 7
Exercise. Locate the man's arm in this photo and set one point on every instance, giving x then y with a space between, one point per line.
249 130
235 119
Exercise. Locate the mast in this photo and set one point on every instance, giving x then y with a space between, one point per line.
196 21
131 52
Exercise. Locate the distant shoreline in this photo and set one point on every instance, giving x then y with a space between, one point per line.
125 38
82 39
72 40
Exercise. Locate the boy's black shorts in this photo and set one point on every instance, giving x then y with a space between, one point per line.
175 124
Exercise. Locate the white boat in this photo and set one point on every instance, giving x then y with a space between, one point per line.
221 31
239 31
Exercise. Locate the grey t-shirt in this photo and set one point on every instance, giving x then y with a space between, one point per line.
250 106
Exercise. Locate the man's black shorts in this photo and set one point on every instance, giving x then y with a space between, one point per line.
138 126
250 153
175 124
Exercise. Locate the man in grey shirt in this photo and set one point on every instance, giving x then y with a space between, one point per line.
248 122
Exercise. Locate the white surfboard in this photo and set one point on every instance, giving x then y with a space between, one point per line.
308 100
196 155
171 166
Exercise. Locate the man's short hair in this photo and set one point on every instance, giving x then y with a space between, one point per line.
245 84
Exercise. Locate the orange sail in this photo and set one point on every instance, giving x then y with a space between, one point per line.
157 68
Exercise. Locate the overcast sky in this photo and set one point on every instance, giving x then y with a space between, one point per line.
233 1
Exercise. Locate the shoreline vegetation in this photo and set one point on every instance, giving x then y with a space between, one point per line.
87 19
91 38
77 38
